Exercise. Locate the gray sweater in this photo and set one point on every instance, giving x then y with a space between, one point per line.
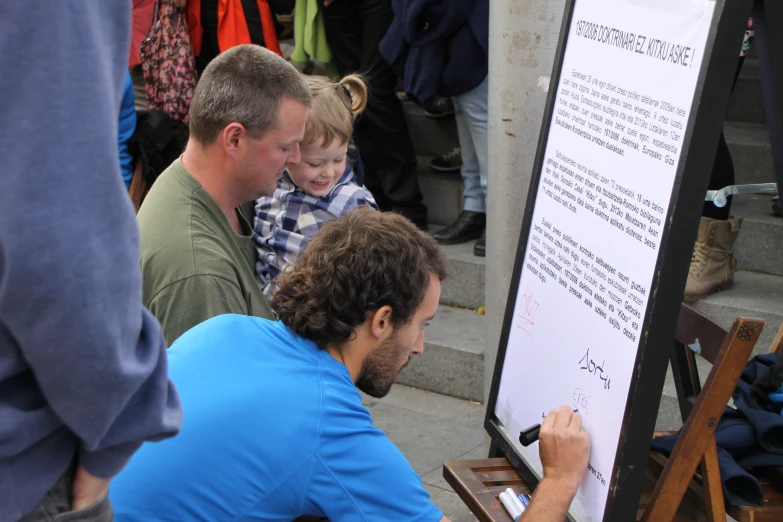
82 363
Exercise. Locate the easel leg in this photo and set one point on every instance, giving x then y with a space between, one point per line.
494 451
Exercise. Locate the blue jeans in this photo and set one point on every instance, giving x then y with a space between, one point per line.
471 116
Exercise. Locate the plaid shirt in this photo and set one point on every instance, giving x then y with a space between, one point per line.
286 221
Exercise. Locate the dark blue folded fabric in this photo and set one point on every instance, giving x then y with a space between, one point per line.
750 435
740 488
762 375
766 421
776 398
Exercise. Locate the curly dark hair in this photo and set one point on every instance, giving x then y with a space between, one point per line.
356 264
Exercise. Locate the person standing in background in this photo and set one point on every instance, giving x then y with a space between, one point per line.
713 261
442 52
354 28
83 370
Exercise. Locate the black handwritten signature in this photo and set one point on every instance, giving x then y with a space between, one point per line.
591 366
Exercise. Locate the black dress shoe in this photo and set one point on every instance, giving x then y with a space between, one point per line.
440 108
469 225
480 248
449 162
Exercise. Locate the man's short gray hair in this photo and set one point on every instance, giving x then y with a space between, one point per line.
246 85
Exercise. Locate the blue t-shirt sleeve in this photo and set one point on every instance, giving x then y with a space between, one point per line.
359 475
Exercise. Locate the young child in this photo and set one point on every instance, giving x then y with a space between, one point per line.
322 186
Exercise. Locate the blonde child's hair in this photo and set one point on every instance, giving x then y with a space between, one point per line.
334 108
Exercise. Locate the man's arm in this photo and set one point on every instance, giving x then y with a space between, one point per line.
564 450
182 305
70 288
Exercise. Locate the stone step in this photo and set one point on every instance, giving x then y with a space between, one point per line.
759 246
753 295
453 359
465 288
750 151
442 192
746 103
430 136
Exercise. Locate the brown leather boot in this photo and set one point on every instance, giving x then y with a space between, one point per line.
713 262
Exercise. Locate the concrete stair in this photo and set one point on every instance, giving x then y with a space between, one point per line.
753 295
750 151
759 247
746 104
465 287
453 358
442 192
453 361
430 136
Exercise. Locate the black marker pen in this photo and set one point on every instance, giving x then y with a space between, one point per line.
530 435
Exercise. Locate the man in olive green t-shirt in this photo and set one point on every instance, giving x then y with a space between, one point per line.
197 258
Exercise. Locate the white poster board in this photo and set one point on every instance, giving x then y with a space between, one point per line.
623 100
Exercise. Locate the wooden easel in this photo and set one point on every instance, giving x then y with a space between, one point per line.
671 491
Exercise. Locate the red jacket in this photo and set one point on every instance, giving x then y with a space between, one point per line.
232 26
143 10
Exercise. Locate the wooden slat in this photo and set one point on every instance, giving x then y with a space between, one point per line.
503 475
713 489
476 496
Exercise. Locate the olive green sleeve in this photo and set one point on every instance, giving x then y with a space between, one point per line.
185 303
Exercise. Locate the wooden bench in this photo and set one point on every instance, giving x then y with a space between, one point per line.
685 487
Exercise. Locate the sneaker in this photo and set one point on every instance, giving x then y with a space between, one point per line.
449 162
440 108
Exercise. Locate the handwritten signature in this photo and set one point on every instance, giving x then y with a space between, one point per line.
528 315
596 369
580 401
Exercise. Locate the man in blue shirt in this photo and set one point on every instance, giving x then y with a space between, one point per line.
274 424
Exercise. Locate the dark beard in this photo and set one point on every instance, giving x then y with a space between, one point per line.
380 369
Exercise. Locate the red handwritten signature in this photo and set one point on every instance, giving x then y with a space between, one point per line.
529 308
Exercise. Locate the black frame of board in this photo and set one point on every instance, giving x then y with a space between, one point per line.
713 90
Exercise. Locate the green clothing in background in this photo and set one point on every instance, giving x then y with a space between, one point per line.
194 266
309 34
